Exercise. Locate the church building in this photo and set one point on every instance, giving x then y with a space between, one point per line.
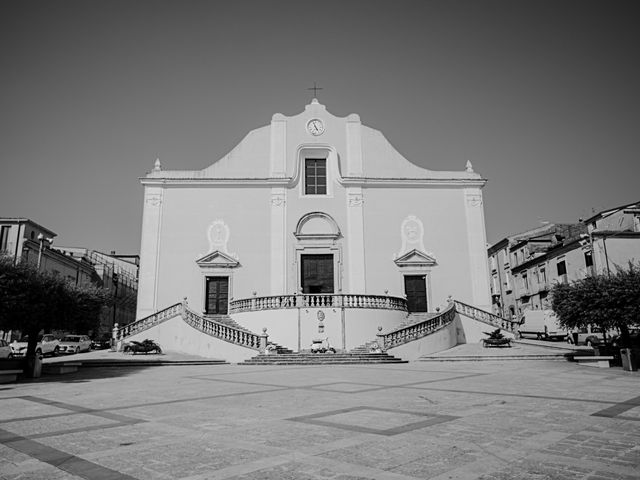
313 224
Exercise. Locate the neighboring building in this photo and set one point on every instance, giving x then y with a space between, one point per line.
316 206
24 240
508 259
118 274
615 236
524 267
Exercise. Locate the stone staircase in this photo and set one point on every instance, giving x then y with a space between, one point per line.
303 358
226 320
366 348
417 317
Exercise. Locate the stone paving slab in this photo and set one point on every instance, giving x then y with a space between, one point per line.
501 420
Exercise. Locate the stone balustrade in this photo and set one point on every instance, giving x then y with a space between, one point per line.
277 302
147 322
415 331
208 326
222 331
485 317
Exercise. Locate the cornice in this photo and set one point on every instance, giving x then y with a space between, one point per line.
289 182
220 182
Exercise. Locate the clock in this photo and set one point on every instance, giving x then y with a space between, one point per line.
315 127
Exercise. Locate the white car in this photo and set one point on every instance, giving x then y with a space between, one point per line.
5 349
47 345
75 344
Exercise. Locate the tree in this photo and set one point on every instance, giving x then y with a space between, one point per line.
608 301
31 301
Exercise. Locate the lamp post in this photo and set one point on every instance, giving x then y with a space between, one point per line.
114 279
42 239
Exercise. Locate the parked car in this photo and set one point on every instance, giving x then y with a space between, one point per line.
47 345
591 335
101 343
542 325
5 349
75 344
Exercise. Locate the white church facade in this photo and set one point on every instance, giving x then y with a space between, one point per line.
313 225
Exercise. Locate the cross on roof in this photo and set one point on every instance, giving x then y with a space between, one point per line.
315 89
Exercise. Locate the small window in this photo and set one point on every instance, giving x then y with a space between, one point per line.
4 238
315 176
562 268
588 259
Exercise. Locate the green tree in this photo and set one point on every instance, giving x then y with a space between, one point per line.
608 301
32 301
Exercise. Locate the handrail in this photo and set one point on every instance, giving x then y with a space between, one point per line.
317 300
148 322
223 332
415 331
485 317
210 327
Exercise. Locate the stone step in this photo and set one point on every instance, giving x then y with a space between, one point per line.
226 320
322 359
483 358
148 362
414 318
364 349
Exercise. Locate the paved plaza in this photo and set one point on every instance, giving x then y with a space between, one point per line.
504 419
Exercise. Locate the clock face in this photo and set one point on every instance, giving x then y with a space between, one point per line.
315 127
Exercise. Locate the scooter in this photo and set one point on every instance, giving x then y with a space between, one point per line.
320 345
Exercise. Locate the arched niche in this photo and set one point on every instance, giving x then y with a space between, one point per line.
317 226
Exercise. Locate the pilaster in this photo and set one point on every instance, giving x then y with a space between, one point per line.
278 241
477 245
150 251
355 240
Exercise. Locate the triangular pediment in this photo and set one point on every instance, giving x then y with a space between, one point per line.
415 258
217 259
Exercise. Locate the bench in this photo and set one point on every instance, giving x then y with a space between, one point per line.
600 361
60 368
9 376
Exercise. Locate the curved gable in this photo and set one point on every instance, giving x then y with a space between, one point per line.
248 159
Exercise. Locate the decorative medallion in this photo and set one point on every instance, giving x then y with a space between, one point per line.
412 232
355 199
474 199
218 234
278 199
154 200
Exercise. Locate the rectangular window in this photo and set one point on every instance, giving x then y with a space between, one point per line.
588 259
562 268
543 275
4 238
525 282
315 176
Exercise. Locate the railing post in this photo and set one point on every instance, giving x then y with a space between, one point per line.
380 340
114 337
264 338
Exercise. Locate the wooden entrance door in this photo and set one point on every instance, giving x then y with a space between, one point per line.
415 287
317 273
217 295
